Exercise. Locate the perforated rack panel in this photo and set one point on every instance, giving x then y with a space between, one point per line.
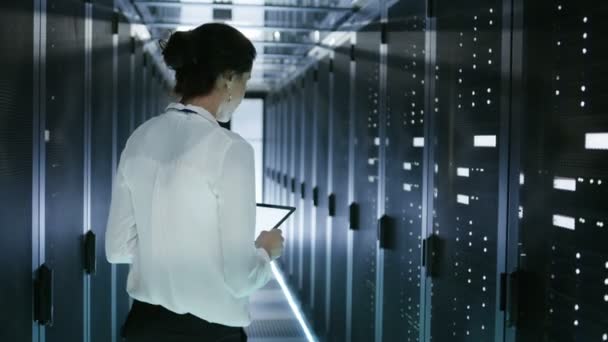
286 161
564 174
17 165
291 178
138 85
285 191
125 99
266 147
367 54
297 162
125 123
321 159
466 160
405 114
101 166
65 163
273 150
339 164
146 87
307 160
495 151
299 176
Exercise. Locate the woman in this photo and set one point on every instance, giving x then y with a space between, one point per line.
183 202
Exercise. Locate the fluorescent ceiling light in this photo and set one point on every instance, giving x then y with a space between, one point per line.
252 34
140 31
185 28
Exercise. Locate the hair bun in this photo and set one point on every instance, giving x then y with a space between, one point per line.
177 51
201 55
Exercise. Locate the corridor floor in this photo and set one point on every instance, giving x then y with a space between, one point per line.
273 319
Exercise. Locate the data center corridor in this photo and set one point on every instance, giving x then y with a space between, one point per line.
448 162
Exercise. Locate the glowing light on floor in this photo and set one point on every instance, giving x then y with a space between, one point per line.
294 307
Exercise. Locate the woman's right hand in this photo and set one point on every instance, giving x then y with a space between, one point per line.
272 242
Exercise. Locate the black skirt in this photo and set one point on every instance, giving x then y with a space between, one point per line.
154 323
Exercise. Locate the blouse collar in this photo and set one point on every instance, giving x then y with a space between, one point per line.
193 109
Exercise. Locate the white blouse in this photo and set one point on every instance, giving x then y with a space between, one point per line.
183 215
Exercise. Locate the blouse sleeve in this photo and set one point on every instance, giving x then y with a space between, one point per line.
121 230
245 267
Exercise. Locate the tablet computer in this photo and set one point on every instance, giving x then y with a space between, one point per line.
270 216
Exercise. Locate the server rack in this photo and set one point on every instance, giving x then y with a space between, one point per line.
65 167
296 276
126 113
103 120
559 263
319 195
338 199
366 143
306 208
405 116
20 164
299 176
138 83
466 105
291 116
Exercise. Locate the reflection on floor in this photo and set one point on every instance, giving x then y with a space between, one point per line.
273 319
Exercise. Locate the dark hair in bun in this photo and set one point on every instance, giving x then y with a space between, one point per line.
201 55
